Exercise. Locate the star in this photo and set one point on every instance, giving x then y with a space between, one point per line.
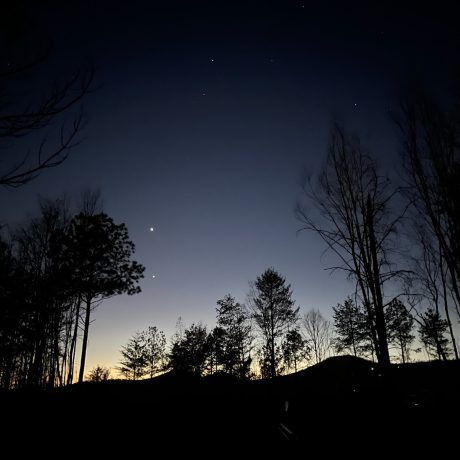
153 276
152 229
212 60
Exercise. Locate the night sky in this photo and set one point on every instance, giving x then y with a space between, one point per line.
203 118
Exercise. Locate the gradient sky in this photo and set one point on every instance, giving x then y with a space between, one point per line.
205 116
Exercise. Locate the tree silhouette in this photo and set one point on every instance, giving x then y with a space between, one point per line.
190 353
40 251
295 349
430 141
154 350
432 329
318 334
354 221
431 274
29 110
349 328
216 350
133 364
236 341
400 324
98 374
274 315
99 256
13 318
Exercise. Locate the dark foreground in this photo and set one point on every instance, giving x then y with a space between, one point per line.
342 398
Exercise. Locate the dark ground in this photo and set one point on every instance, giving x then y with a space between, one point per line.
342 401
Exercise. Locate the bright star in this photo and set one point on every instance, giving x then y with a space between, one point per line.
151 229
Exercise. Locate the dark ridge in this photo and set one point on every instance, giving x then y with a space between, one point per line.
340 397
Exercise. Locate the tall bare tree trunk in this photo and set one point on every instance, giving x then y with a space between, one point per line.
85 340
272 346
73 345
384 356
446 309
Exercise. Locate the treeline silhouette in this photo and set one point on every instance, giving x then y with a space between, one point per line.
55 270
272 339
396 239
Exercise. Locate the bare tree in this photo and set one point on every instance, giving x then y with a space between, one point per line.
318 333
431 142
154 350
431 277
39 122
26 119
353 219
400 325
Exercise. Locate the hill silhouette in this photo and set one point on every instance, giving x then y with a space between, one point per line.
342 396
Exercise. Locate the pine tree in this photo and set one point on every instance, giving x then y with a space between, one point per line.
133 364
295 349
351 331
191 352
233 319
432 329
99 374
274 315
99 256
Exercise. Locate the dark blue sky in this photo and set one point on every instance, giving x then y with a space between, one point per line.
205 115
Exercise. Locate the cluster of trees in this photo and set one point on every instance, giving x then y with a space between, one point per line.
227 347
375 226
353 331
266 337
398 240
54 270
144 354
58 267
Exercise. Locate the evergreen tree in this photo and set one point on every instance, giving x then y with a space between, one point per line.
99 374
295 349
233 319
216 350
99 255
351 328
432 329
191 352
274 315
133 364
